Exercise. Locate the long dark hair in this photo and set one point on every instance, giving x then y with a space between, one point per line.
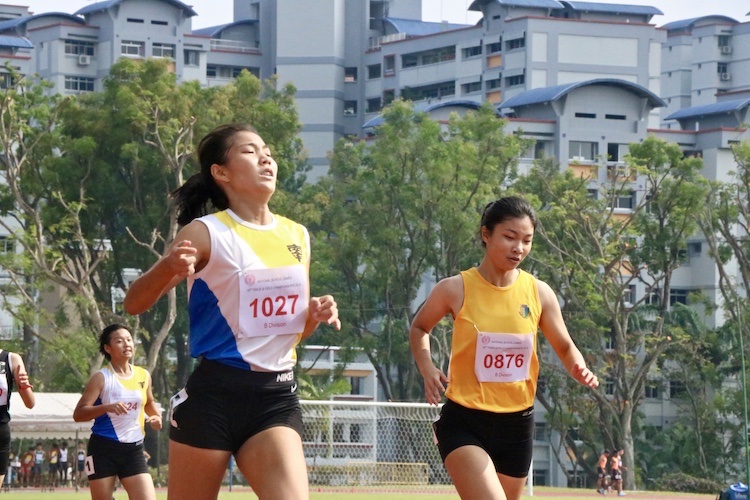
200 193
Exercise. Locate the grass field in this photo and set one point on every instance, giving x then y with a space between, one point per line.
245 493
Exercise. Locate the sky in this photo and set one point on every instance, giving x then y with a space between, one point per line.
214 12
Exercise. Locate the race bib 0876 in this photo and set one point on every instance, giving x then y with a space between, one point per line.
503 357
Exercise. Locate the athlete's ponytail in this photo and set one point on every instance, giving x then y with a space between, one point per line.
200 193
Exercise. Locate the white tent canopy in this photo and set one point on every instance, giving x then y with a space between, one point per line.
51 417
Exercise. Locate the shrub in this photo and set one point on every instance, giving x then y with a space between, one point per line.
686 483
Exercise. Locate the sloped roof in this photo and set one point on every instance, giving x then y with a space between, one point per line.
20 21
412 27
687 24
613 8
426 107
542 4
555 92
51 417
98 6
716 108
16 42
215 31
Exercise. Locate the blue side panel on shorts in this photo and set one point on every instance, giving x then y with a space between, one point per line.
210 334
103 425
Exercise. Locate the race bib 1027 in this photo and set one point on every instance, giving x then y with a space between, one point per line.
273 301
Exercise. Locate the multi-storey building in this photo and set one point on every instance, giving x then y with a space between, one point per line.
583 79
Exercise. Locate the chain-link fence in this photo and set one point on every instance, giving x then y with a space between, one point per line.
372 446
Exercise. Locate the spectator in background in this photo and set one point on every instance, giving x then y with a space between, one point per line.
54 464
63 463
27 466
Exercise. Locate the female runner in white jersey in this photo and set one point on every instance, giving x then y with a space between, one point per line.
119 400
249 303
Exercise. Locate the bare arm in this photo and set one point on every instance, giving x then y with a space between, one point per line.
554 329
85 409
22 380
187 254
153 415
446 298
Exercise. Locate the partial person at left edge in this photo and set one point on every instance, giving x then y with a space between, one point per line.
11 365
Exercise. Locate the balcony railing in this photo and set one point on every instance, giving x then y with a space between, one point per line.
234 45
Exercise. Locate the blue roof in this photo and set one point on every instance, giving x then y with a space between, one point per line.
98 6
614 8
20 21
15 41
710 109
549 94
687 24
542 4
426 107
215 31
412 27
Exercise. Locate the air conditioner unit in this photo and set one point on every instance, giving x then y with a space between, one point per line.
725 76
84 60
726 49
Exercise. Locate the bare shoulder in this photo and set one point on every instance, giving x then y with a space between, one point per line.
546 294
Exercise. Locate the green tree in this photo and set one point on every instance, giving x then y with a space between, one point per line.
593 255
401 211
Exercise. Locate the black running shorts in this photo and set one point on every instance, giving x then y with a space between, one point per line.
222 406
508 438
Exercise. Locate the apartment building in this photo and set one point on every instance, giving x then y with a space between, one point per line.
583 79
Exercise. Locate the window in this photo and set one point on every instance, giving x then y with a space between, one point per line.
517 43
628 296
609 387
134 20
350 108
722 68
540 431
515 80
388 96
677 389
468 88
373 105
79 84
192 57
495 83
389 65
470 52
651 390
579 150
77 47
7 245
162 50
694 249
373 71
435 91
585 115
160 23
616 152
350 75
131 48
678 296
494 47
227 72
625 200
593 194
426 57
6 81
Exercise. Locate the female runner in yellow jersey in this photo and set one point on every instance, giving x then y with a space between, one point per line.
485 429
